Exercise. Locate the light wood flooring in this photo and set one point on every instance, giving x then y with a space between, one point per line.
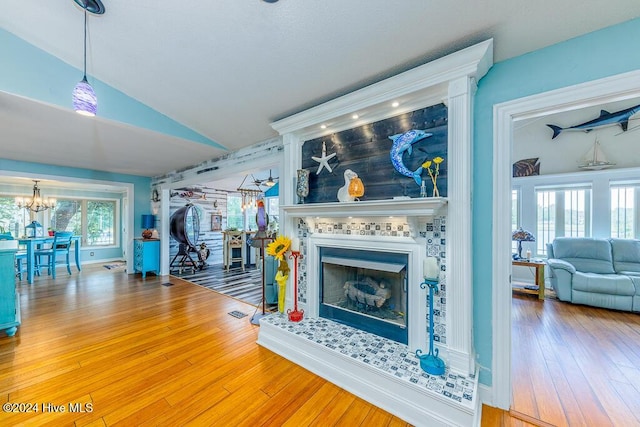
574 365
143 353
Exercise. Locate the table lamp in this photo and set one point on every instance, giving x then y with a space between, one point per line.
520 236
148 222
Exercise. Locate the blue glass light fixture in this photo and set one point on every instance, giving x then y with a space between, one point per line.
85 101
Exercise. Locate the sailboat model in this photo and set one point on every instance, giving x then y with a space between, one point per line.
594 159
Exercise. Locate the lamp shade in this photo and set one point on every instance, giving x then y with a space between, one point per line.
148 221
521 235
84 98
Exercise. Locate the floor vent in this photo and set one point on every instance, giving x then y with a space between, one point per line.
237 314
167 284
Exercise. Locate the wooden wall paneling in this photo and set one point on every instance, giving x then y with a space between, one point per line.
213 239
366 151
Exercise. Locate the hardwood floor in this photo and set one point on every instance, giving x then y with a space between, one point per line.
142 353
575 365
129 351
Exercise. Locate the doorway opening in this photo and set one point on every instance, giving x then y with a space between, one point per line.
611 89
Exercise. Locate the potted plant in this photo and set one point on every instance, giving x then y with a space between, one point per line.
51 232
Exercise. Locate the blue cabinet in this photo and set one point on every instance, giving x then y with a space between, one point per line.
9 302
146 256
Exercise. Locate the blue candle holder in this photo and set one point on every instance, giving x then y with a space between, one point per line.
430 363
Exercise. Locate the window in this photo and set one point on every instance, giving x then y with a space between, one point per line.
235 216
101 223
12 218
624 208
250 217
246 219
562 212
515 216
273 206
96 220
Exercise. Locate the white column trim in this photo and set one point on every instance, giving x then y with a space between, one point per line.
459 267
291 162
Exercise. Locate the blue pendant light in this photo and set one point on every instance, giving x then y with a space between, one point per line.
85 101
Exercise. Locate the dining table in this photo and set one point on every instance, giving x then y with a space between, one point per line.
33 243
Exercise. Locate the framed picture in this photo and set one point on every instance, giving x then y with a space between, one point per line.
216 222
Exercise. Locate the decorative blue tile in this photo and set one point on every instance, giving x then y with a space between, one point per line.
379 353
433 231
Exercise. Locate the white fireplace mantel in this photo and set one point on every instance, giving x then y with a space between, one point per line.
415 207
451 80
415 210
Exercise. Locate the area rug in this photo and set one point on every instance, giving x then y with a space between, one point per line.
243 285
115 266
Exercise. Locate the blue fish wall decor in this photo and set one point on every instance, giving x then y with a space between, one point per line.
605 119
404 142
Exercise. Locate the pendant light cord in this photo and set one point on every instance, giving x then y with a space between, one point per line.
85 41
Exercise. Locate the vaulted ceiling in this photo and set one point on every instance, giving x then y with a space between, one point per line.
226 69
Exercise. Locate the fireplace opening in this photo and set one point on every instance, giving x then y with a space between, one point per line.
366 290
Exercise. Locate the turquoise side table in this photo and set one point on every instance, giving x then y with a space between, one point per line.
9 299
146 256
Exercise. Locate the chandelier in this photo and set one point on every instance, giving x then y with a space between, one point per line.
249 195
36 203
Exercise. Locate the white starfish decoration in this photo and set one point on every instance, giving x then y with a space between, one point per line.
324 160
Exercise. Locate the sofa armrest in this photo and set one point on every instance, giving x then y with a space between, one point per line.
561 278
555 263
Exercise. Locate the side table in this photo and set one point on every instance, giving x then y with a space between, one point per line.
146 256
539 266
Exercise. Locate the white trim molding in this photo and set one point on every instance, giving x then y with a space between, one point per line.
611 89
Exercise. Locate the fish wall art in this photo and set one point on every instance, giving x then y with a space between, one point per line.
605 119
404 142
526 167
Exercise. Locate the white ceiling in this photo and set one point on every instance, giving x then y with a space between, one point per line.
228 68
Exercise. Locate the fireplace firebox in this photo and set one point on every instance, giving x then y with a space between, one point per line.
365 289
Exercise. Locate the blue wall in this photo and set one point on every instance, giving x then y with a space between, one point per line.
141 190
593 56
21 74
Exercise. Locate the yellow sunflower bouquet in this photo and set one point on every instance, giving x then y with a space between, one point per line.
278 249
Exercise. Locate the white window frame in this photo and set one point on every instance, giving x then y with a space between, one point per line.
117 225
559 211
635 217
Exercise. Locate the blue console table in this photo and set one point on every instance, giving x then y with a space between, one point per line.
146 256
9 301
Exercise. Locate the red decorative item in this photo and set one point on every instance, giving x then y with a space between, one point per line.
295 315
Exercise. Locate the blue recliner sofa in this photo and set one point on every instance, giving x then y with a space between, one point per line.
597 272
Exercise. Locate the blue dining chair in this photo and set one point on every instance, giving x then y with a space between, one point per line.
21 257
60 247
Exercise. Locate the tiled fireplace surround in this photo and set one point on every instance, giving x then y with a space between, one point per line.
381 371
348 356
